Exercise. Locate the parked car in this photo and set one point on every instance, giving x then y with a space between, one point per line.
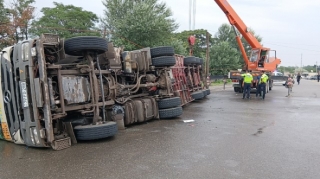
314 77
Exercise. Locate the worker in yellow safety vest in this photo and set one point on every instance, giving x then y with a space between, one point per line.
263 83
247 80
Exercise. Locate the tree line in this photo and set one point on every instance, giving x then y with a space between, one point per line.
131 24
295 69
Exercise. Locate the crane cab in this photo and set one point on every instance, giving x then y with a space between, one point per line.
258 57
261 59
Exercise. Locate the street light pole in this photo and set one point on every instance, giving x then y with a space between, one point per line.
207 59
301 65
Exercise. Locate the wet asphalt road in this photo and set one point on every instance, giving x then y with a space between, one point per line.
230 138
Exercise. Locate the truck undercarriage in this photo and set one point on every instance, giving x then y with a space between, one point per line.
57 92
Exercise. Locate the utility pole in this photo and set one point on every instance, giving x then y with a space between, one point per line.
301 65
192 14
207 60
316 66
105 32
190 4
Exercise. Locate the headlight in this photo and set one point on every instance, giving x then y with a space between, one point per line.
36 135
31 136
33 51
25 54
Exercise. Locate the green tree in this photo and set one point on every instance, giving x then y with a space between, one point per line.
200 47
22 12
66 21
223 58
138 23
177 44
226 33
311 67
5 30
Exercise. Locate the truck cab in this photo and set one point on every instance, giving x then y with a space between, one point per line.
22 113
14 126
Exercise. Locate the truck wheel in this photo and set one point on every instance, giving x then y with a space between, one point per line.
201 61
190 60
236 89
169 102
93 132
164 61
170 113
197 95
76 45
198 61
204 93
270 88
161 51
208 91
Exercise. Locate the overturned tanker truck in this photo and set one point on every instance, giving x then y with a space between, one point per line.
55 92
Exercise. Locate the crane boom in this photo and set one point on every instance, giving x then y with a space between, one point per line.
259 58
235 20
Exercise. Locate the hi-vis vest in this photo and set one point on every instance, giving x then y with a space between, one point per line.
247 78
264 78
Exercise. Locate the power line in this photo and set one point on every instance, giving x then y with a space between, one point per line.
291 43
294 47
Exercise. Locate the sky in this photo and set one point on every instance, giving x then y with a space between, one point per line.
290 27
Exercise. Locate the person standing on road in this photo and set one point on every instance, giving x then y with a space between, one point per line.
298 78
289 85
263 83
318 76
247 84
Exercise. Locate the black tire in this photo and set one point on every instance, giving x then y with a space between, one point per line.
197 95
270 88
164 61
162 51
93 132
208 91
204 93
169 102
170 113
76 45
236 89
200 61
189 60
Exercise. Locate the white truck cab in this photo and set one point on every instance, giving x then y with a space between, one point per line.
10 125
